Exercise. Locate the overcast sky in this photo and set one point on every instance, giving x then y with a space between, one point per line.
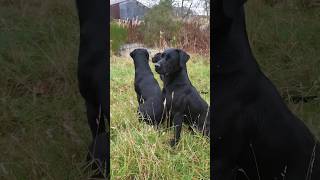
197 4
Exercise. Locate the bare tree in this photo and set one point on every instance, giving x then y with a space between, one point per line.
186 7
186 14
206 5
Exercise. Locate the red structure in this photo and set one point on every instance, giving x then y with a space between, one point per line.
115 11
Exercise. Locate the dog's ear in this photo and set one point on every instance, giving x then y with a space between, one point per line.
183 58
147 54
132 54
232 7
156 57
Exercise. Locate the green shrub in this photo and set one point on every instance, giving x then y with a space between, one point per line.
118 36
160 18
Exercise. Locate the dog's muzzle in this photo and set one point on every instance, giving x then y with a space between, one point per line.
157 67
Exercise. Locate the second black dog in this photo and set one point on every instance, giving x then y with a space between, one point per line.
183 102
147 88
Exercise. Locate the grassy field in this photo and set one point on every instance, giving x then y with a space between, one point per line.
43 129
140 151
43 132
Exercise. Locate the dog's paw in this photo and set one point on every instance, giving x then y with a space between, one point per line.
173 142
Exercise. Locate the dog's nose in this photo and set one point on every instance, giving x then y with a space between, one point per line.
156 65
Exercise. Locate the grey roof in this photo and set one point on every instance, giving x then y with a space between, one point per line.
115 1
119 1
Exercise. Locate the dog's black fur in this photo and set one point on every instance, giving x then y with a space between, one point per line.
183 102
253 129
92 77
147 88
155 59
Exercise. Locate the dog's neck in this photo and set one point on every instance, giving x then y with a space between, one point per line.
232 49
141 66
178 78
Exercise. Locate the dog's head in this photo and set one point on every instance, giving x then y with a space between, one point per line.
171 61
140 54
225 11
156 58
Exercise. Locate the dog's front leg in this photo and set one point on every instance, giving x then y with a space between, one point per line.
177 124
92 115
222 170
191 130
96 120
97 156
140 100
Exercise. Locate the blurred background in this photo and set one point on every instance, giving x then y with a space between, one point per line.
159 24
43 132
285 38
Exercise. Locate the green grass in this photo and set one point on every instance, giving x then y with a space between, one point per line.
43 132
140 151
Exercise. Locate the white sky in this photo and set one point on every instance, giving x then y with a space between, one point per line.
197 4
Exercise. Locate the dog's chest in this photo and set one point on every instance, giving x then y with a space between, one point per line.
174 100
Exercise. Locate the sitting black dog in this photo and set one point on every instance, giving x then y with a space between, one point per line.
255 136
93 80
147 88
183 102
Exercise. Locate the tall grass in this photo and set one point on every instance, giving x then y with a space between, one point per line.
43 132
118 36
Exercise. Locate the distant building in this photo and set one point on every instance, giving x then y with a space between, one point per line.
127 9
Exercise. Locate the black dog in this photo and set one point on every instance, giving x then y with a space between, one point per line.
147 88
183 102
92 77
255 136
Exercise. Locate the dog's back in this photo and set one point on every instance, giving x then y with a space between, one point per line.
147 88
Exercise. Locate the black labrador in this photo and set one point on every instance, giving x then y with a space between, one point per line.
147 88
255 136
92 79
183 103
